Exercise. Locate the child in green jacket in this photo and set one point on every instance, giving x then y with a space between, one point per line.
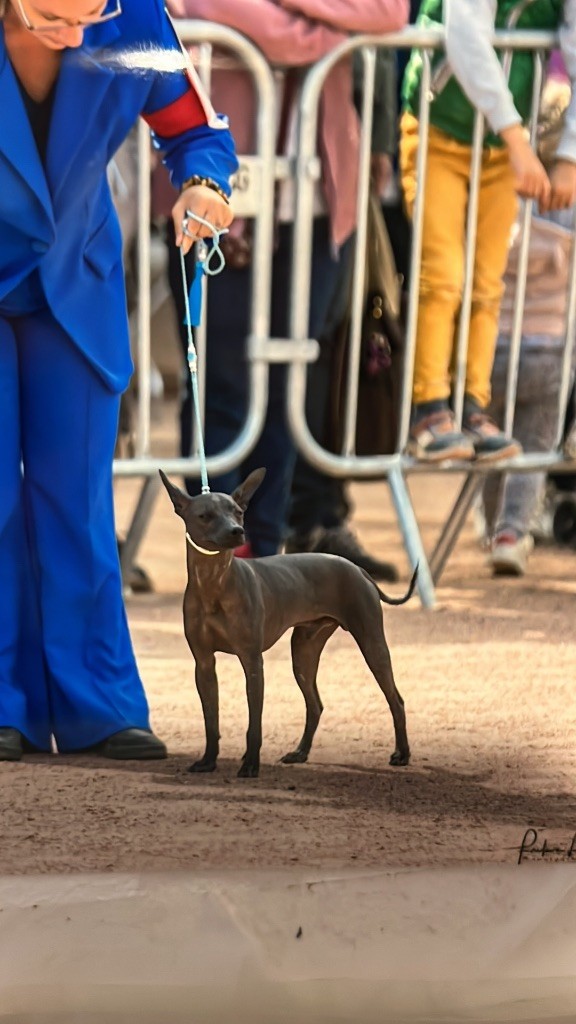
509 169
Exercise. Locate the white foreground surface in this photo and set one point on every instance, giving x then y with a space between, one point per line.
480 944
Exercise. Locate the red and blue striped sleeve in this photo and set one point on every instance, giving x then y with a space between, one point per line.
193 139
185 112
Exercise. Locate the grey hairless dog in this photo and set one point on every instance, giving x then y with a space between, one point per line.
243 606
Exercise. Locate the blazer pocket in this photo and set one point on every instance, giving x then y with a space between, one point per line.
103 250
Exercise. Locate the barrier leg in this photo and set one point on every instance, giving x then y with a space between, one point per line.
454 524
411 536
139 524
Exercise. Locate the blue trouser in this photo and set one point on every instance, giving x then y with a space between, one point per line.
67 667
227 373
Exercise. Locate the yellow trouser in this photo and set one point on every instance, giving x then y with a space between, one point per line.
442 275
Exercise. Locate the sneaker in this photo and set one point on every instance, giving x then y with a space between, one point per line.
339 540
490 443
510 553
435 438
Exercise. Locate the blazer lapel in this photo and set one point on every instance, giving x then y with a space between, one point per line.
82 85
16 139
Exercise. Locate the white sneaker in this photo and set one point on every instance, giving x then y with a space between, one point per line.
510 553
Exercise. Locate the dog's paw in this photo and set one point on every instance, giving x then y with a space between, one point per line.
400 758
202 766
248 771
294 757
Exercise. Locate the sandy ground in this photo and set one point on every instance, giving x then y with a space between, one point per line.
488 679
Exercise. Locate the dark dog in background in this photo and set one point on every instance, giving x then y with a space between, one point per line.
243 606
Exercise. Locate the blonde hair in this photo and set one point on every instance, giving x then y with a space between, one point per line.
555 100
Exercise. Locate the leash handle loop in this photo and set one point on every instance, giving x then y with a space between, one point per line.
204 254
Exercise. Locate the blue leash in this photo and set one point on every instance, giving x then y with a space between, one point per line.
193 308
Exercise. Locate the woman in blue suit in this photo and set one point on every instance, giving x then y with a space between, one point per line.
67 668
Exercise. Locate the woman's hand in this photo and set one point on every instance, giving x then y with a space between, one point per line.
206 203
563 181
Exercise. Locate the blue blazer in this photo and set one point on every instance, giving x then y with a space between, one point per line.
60 219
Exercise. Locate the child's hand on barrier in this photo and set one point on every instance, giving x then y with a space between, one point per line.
532 182
563 181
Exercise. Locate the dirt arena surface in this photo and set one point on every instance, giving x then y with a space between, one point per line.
488 679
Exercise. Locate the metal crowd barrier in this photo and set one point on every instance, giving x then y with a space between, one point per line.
299 349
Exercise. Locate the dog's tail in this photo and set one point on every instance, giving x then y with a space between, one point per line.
399 600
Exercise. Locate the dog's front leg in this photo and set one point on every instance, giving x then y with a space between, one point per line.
253 666
207 686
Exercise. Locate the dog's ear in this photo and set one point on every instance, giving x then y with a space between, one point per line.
245 491
180 500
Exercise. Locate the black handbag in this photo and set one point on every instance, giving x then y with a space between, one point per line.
381 352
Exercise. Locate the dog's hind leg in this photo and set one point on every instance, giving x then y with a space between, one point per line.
308 642
371 640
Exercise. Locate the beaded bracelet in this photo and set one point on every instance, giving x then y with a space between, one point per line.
196 179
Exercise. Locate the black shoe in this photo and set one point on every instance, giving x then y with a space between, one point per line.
139 581
11 748
128 745
339 540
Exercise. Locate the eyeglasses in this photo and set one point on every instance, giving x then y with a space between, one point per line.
54 24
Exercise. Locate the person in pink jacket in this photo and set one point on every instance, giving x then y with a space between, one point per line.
292 34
